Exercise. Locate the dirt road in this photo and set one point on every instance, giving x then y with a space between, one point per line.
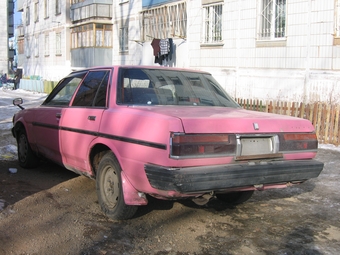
50 210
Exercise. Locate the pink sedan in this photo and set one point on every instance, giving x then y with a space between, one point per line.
165 132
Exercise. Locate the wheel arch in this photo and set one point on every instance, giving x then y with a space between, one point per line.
131 195
96 154
17 127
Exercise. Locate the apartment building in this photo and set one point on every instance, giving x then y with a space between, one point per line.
44 38
257 49
7 31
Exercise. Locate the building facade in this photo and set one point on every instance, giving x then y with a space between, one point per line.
257 49
7 31
43 38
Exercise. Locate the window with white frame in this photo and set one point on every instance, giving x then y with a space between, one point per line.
47 45
91 35
57 7
123 39
272 19
46 12
21 46
165 21
76 1
36 46
212 23
58 43
27 47
28 15
337 18
36 11
103 35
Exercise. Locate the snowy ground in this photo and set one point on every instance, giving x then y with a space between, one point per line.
31 99
7 110
50 210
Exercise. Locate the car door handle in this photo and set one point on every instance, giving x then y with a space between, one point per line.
91 117
58 115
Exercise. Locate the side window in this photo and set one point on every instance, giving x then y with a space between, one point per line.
92 91
63 93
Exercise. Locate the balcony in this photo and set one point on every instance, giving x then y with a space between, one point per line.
92 9
20 5
20 31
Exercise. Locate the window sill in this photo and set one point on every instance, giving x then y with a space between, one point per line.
271 43
125 52
212 45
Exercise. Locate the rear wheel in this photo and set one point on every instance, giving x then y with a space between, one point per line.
26 156
110 190
235 198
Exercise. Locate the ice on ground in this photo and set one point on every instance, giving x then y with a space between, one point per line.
8 152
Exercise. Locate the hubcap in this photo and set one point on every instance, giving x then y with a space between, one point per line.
111 186
22 148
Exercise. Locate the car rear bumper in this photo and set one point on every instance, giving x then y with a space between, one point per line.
220 177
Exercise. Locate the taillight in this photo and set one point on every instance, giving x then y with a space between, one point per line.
202 145
298 142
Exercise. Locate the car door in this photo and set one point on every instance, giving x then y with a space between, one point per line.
80 122
46 121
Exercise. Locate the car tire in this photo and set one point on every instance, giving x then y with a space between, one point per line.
110 191
26 156
235 198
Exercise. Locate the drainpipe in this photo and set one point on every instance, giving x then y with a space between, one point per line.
237 67
307 60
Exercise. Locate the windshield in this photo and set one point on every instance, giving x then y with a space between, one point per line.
170 87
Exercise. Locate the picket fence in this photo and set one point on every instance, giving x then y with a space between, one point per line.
325 117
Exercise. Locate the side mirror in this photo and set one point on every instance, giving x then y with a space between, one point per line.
18 102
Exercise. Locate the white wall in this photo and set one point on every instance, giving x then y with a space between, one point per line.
52 66
4 37
305 68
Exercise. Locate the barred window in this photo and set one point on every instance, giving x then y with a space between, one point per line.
36 46
123 39
76 1
28 17
212 23
46 12
58 43
47 45
164 22
272 23
57 7
36 11
91 35
27 47
337 20
21 46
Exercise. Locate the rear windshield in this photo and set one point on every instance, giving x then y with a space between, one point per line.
169 87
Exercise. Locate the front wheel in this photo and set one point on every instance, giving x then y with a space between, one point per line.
110 191
235 198
26 156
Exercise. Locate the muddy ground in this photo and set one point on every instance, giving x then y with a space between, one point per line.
49 210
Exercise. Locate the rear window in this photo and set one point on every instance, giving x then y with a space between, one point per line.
170 87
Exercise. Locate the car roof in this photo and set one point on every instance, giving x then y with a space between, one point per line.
140 67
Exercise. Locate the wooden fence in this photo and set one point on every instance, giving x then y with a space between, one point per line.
325 117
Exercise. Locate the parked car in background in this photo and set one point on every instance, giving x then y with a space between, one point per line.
165 132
